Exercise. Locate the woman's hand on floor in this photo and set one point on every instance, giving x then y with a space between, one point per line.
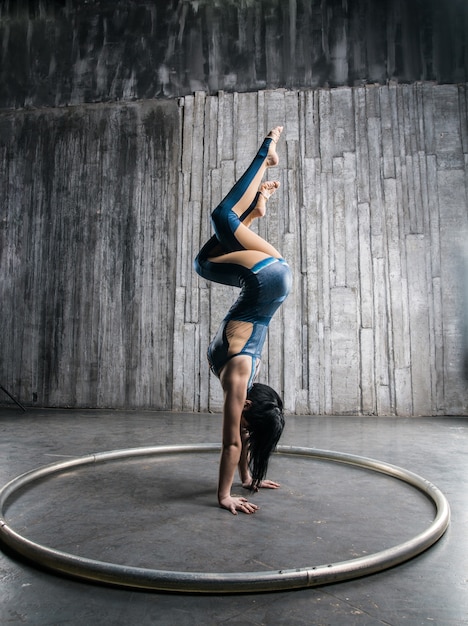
235 504
264 484
269 484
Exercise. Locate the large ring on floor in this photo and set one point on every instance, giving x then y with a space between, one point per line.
219 582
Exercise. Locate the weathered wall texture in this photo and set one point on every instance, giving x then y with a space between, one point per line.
104 208
372 217
60 53
89 210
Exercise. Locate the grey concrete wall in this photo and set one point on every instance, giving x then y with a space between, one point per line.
371 215
104 203
103 208
88 223
61 53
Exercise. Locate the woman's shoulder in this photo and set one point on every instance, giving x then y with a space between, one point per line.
237 371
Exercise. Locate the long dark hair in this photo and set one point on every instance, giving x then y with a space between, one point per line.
265 423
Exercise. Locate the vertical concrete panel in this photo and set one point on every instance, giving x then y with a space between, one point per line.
311 253
291 332
339 224
366 282
447 128
362 150
398 305
388 124
367 371
345 352
419 325
343 135
382 339
453 241
351 220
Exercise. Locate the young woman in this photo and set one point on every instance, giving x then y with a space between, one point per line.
252 413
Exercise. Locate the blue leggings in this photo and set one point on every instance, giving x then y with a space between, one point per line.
225 223
263 286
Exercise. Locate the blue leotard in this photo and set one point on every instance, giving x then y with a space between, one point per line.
263 287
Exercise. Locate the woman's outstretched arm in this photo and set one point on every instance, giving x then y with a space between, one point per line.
234 379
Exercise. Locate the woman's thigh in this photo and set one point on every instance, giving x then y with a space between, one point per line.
244 258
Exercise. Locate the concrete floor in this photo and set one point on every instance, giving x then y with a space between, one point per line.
161 513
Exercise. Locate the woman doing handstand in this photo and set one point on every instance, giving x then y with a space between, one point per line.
252 413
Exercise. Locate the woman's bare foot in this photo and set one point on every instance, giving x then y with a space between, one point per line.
272 158
266 190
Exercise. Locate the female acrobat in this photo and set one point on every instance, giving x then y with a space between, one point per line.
252 412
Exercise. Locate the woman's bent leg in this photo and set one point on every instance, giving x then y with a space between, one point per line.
241 196
239 202
238 206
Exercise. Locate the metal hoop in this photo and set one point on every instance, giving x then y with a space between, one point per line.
219 582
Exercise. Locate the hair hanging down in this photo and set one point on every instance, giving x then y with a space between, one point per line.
265 424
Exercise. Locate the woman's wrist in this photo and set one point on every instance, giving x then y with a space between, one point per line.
247 481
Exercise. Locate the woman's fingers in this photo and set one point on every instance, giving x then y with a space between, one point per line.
246 506
238 504
269 484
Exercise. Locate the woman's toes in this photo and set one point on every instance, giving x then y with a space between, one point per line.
272 158
275 133
268 188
